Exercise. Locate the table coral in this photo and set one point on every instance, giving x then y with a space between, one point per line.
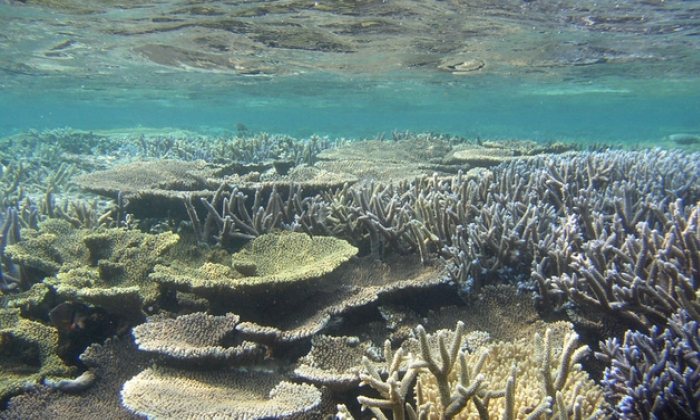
289 257
273 259
29 353
175 394
197 337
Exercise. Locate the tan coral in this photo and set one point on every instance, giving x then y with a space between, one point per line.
535 368
384 160
196 337
523 379
173 394
160 174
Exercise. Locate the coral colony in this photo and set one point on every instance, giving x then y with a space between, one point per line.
251 276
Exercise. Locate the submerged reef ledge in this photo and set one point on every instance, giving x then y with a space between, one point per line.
413 275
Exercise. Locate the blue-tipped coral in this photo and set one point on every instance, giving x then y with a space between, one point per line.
655 376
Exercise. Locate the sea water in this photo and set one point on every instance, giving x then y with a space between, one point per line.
613 111
630 79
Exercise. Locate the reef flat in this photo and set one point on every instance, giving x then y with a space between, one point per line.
180 275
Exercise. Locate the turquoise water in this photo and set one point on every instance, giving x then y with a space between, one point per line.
580 71
614 111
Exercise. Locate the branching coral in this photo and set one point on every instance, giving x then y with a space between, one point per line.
238 221
644 277
655 375
528 379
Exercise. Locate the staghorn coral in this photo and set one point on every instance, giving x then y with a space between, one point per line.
643 276
394 389
655 375
167 393
237 221
197 337
10 277
528 378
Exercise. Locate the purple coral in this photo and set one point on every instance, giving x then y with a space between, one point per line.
655 376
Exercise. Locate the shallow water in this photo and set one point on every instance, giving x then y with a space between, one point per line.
618 113
623 73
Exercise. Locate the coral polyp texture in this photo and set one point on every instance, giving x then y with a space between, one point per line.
167 393
196 337
251 275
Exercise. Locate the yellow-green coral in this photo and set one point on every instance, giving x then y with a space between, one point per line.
107 268
116 277
27 353
291 256
274 258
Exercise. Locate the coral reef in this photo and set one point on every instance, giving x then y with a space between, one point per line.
655 375
310 252
168 393
521 379
196 337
